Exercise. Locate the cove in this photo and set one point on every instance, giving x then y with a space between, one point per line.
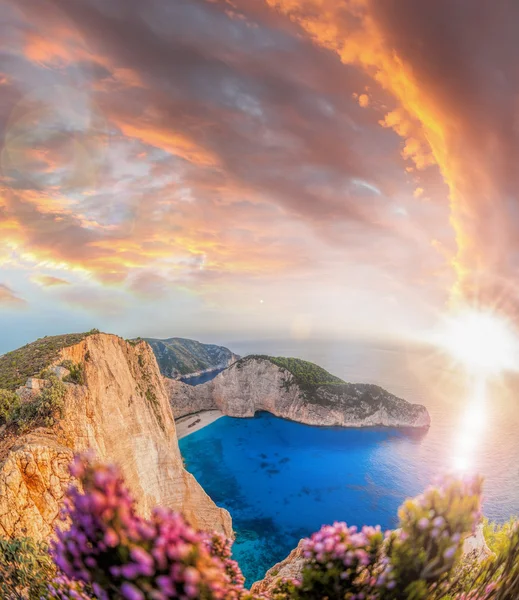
282 480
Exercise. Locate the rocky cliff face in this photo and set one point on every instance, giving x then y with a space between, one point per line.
289 568
178 357
257 384
122 412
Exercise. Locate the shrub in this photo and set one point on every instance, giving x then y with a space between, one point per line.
76 372
8 402
126 557
25 569
42 410
497 536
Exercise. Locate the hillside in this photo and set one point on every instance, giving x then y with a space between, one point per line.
179 356
29 360
116 406
297 390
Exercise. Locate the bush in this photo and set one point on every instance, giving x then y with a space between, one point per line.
126 557
497 536
8 402
76 372
44 409
26 569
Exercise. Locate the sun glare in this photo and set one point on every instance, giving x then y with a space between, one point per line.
480 340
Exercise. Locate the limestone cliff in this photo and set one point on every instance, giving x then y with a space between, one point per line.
122 412
289 568
258 384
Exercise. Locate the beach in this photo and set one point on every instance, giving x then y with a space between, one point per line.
191 423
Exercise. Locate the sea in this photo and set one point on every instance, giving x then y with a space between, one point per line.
282 480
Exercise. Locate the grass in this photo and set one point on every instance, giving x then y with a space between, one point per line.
17 366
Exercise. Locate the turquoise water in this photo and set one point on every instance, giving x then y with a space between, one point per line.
282 480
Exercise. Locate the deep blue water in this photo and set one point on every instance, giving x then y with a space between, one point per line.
203 378
282 480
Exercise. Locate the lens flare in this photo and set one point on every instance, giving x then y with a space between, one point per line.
471 430
481 341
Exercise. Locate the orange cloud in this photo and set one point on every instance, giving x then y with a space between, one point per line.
364 100
175 143
9 298
366 33
50 281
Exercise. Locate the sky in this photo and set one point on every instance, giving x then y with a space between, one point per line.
239 169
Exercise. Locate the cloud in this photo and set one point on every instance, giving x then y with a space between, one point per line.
455 84
50 281
60 177
233 144
9 298
94 300
364 100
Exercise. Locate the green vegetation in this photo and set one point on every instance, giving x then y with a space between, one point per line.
31 359
8 402
497 536
307 374
42 410
77 372
26 568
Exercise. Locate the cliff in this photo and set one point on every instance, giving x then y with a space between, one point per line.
289 568
305 393
177 357
120 409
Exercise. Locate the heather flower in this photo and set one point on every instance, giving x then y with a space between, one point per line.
426 547
62 588
124 556
341 559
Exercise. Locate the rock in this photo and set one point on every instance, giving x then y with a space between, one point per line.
476 545
122 412
60 372
257 384
36 384
289 568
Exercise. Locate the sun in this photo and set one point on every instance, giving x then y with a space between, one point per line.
482 341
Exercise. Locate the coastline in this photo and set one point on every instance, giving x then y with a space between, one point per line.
194 422
195 374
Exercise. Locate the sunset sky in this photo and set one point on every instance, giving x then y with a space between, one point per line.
234 169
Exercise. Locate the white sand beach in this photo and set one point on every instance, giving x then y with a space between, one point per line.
194 422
